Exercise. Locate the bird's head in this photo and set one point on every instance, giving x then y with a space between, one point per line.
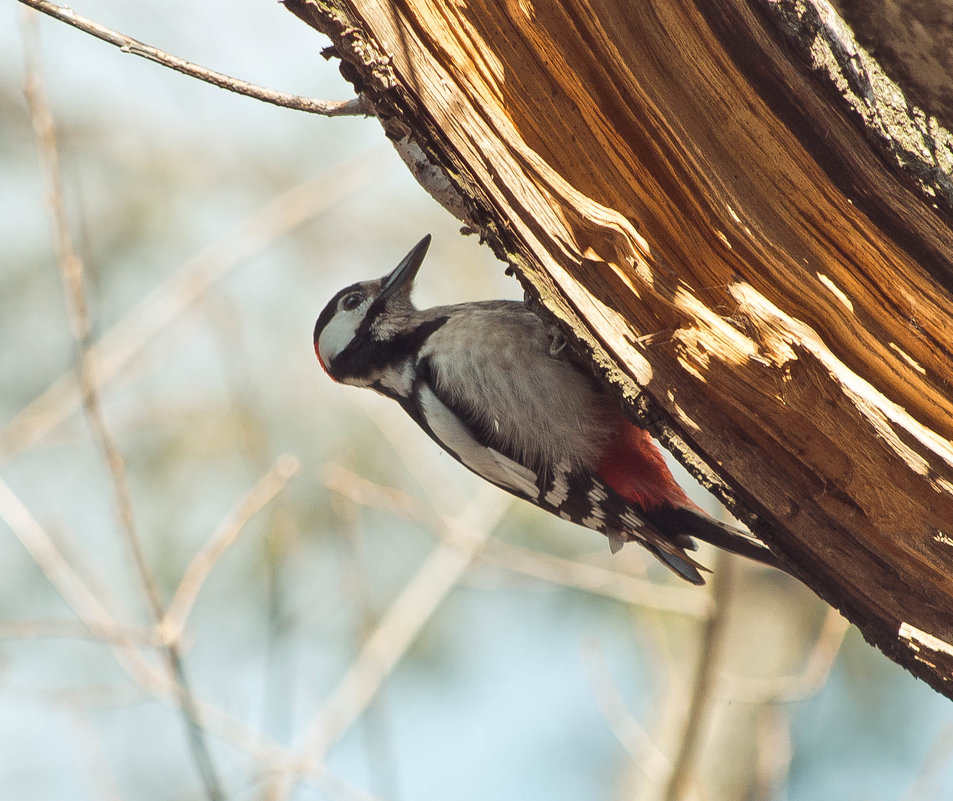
363 317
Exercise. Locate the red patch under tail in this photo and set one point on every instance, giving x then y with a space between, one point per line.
635 468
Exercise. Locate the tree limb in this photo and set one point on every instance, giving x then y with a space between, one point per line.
763 284
328 108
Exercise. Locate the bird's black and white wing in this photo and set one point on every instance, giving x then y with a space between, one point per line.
507 387
455 434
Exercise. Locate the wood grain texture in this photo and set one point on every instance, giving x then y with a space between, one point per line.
721 239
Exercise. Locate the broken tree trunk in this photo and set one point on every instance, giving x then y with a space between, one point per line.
746 231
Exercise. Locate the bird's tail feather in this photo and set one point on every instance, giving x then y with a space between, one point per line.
675 522
683 565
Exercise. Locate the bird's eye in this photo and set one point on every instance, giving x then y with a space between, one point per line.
352 301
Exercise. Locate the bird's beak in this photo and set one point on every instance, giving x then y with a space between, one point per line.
405 272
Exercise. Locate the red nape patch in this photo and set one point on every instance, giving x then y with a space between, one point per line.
635 468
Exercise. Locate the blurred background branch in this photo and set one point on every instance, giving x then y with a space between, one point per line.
71 267
142 325
684 765
326 108
519 659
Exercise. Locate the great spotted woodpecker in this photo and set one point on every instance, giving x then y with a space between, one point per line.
492 385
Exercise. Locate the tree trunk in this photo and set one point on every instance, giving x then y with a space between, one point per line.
745 229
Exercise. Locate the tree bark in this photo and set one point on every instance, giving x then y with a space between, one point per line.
912 41
745 229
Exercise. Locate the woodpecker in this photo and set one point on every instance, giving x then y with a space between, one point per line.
491 383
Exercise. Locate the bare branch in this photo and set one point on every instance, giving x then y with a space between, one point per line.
781 689
628 731
273 482
142 325
398 629
71 267
94 615
58 571
108 357
706 674
613 584
517 559
358 106
119 635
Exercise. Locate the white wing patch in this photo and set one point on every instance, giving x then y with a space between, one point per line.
559 491
598 494
486 462
632 521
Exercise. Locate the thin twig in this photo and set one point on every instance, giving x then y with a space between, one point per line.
706 672
85 605
395 633
273 482
619 586
927 783
46 629
57 570
526 561
102 782
88 608
72 269
143 324
784 689
773 761
358 106
375 726
628 731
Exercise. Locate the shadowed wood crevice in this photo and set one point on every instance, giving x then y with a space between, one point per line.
908 141
709 219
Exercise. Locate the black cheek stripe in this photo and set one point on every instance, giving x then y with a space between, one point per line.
364 355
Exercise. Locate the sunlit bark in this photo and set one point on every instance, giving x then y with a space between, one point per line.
754 249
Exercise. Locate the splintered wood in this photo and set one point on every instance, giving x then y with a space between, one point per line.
715 232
